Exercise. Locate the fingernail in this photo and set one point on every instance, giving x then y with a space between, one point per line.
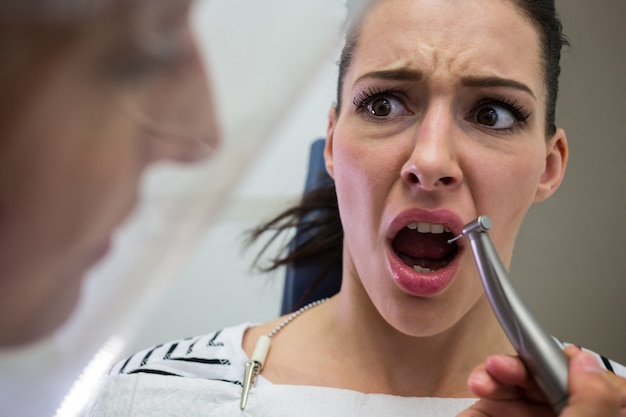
478 379
501 360
587 362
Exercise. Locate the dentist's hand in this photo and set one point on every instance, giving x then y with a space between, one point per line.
505 389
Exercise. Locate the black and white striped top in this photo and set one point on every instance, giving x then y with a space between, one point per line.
204 376
216 356
219 356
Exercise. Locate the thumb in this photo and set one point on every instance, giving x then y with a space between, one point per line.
592 394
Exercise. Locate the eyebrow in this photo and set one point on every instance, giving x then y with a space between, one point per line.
496 82
416 76
398 74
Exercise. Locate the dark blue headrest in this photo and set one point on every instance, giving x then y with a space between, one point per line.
300 275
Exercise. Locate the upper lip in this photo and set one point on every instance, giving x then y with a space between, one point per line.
447 218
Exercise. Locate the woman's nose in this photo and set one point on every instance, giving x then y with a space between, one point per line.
433 162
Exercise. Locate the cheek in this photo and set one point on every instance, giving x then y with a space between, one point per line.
363 175
508 184
523 176
352 186
113 170
93 182
356 196
507 178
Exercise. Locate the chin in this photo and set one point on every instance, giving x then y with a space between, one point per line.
40 315
60 309
422 318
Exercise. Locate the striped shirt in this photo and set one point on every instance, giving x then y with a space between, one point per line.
204 376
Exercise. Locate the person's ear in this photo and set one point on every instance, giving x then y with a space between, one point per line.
556 160
328 148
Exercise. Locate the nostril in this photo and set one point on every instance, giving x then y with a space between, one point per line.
412 178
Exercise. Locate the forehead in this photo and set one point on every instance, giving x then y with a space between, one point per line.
448 39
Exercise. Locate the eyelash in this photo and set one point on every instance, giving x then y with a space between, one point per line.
518 110
365 97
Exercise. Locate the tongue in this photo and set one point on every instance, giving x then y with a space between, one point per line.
422 245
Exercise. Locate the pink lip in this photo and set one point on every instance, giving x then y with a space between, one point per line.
417 283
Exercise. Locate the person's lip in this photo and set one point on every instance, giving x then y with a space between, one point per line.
101 251
418 283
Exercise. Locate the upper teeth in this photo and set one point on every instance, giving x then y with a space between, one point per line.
423 227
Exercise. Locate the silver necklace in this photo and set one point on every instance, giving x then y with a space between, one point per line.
262 348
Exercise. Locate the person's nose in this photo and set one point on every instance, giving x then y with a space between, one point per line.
433 163
187 124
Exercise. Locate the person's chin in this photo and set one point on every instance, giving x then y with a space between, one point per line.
60 307
48 316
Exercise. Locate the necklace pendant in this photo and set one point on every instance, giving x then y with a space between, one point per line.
252 370
254 366
261 350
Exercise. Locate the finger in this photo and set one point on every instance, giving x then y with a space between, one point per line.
593 393
617 381
504 377
483 383
620 383
484 386
508 370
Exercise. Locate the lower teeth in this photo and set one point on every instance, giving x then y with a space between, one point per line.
418 268
425 270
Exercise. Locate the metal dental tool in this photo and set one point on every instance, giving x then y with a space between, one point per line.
540 353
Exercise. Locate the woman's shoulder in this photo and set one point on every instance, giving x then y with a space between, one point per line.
217 355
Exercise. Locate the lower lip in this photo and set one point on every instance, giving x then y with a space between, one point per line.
420 284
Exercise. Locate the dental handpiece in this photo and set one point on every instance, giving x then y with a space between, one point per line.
543 357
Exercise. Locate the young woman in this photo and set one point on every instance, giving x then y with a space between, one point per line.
445 112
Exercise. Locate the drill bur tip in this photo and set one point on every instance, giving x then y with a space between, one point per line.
482 223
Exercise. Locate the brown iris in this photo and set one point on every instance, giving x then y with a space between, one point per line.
380 107
487 116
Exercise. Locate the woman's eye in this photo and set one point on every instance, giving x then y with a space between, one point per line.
495 117
381 107
501 114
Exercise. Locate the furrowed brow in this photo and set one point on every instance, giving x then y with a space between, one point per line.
397 75
497 82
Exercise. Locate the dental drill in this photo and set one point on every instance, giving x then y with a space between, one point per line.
542 356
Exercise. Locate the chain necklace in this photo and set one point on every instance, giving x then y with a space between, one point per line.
262 348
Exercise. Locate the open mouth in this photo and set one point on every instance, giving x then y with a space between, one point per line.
424 246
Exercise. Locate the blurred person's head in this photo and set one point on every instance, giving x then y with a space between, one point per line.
92 93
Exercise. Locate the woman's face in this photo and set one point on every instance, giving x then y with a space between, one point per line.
442 120
103 112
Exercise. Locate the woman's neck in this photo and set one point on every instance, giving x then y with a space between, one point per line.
347 344
383 359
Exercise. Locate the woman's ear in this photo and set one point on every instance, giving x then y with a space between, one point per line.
556 160
328 148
